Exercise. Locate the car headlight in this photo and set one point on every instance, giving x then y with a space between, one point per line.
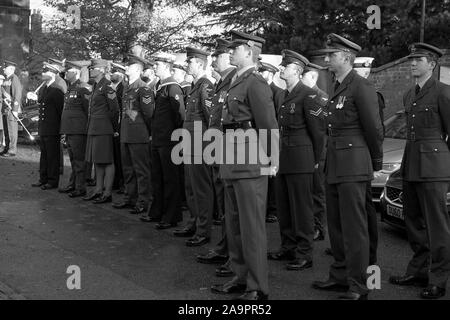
35 119
390 167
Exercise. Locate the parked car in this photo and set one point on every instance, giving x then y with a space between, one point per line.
30 119
392 201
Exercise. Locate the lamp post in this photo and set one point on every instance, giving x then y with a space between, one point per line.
422 24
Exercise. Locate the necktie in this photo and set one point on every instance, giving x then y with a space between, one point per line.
417 89
336 86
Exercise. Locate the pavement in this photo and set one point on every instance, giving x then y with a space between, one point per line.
43 233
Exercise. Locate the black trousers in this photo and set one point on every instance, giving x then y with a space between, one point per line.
49 160
136 171
271 197
428 227
296 213
76 147
349 235
219 196
166 204
320 208
372 222
118 173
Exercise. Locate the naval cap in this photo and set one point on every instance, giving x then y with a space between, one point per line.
192 52
420 49
264 66
290 56
240 38
222 46
338 43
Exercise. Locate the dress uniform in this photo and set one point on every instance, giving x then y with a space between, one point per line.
51 103
426 174
135 129
13 89
74 126
248 106
354 151
300 119
168 116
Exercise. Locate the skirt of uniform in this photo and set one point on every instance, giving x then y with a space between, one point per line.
100 149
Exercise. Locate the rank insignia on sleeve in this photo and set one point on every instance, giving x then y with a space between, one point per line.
147 100
177 97
312 96
316 113
111 96
208 103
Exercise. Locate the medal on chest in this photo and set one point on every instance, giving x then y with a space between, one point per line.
222 96
292 108
341 102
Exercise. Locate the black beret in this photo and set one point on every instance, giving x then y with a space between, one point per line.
290 56
264 66
337 43
421 49
240 38
192 52
223 46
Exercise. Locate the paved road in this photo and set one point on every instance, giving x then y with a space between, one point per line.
44 232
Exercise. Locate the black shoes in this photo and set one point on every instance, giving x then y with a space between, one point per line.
211 258
432 292
350 295
280 256
253 295
165 225
299 264
318 235
93 196
103 199
228 288
8 155
408 280
149 219
329 285
137 210
271 218
224 271
328 252
77 193
184 233
67 189
37 184
48 186
197 241
90 182
122 205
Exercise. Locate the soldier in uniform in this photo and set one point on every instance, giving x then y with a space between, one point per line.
103 125
301 125
74 127
135 129
13 89
168 116
221 64
148 75
310 78
51 102
59 79
2 78
354 152
248 107
426 174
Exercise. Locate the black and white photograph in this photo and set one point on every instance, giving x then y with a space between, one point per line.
209 154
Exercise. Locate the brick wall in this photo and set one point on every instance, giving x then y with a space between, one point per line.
394 78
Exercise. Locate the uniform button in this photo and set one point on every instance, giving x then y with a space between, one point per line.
426 109
281 117
412 127
332 101
221 119
435 150
282 106
329 125
224 107
414 104
329 112
350 145
413 115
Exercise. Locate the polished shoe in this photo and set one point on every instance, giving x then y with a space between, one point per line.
329 285
408 280
328 252
164 225
228 288
121 191
137 210
66 189
212 258
253 295
224 271
298 264
271 218
280 256
77 193
93 196
3 152
182 233
149 219
432 292
318 235
8 155
90 183
37 184
197 241
48 186
103 199
122 205
350 295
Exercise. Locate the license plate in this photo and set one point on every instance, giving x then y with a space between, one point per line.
395 212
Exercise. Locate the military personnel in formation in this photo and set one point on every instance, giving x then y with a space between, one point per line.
248 107
426 174
135 129
59 79
103 125
51 102
74 127
310 78
221 64
354 152
12 88
148 75
301 132
167 116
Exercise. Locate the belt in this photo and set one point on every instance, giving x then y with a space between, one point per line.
291 131
343 132
239 125
412 136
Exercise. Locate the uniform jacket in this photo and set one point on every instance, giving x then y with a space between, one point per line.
249 99
323 96
76 109
301 123
218 100
13 92
427 156
278 96
51 103
103 109
138 104
186 87
169 112
354 147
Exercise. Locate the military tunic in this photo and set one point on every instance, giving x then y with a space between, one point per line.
13 88
426 173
